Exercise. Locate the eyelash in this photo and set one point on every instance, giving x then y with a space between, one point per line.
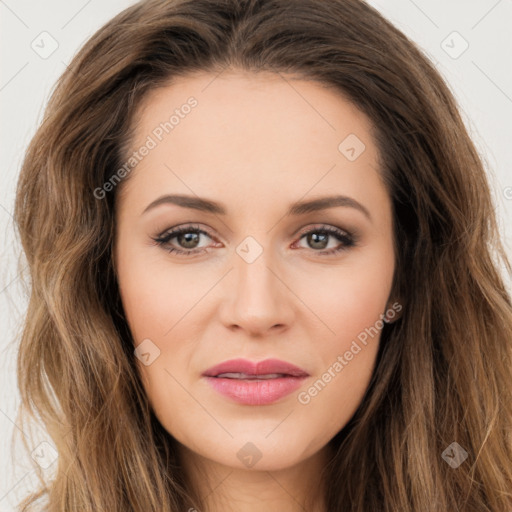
348 239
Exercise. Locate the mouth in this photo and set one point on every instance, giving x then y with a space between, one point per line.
244 369
255 383
247 376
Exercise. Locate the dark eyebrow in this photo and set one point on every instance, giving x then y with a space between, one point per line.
322 203
298 208
195 203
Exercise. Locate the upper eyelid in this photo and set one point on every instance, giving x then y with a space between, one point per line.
320 227
171 232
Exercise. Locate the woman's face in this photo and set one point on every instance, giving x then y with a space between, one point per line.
257 276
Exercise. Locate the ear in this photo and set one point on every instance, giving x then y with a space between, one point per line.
394 311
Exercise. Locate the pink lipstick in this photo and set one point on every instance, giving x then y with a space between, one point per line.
255 383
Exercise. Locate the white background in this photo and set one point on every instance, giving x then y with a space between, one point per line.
480 78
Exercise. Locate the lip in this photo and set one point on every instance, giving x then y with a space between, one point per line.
253 391
266 366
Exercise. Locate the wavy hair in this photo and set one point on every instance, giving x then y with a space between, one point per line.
444 370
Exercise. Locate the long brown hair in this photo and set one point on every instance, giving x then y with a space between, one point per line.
444 370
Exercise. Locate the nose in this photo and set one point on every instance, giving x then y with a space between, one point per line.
257 298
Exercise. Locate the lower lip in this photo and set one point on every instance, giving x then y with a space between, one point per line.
252 392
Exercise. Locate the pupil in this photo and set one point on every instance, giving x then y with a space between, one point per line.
189 238
314 238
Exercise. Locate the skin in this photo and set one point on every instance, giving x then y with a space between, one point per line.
255 143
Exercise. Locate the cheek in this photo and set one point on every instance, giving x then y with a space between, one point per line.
346 357
350 303
356 305
158 304
162 305
350 299
155 297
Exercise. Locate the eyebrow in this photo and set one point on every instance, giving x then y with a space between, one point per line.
297 208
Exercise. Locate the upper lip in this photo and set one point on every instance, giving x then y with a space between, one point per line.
265 367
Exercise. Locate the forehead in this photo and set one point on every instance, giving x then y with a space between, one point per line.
246 134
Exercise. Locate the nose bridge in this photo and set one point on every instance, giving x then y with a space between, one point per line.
258 298
255 282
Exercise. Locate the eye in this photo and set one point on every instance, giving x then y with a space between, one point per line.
188 240
318 239
188 237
